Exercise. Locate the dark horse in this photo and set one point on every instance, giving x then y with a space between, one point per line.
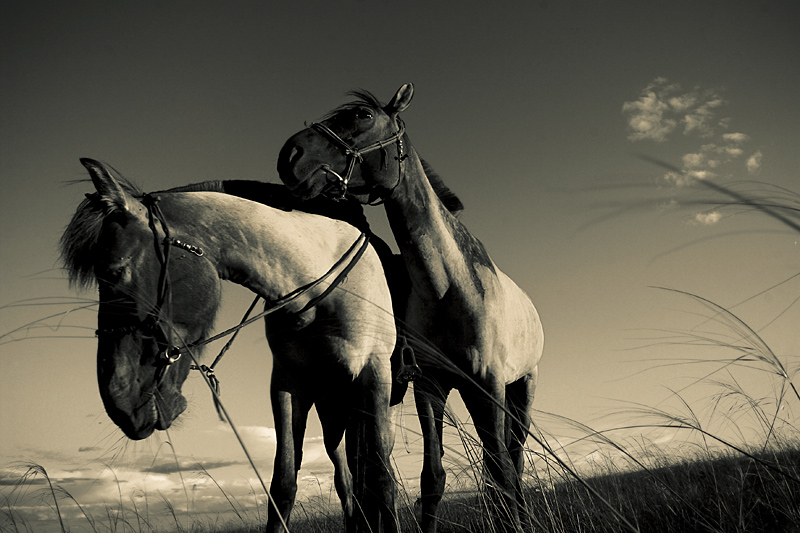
158 262
484 325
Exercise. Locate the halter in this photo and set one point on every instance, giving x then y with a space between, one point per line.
155 324
354 154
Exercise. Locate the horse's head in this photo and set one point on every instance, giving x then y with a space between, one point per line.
153 298
358 149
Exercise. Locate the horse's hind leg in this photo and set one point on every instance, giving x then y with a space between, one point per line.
486 404
519 400
290 412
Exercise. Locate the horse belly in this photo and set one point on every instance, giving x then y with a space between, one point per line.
518 329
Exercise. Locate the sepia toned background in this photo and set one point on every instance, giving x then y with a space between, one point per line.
537 114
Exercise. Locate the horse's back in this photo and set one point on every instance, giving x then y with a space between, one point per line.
351 326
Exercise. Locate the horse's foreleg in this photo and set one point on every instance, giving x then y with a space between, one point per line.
333 416
430 401
370 439
290 414
381 481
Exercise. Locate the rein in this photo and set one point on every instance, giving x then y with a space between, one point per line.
154 323
357 154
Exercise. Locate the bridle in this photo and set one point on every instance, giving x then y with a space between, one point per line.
357 154
154 323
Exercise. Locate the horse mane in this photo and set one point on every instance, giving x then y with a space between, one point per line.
451 202
362 98
81 234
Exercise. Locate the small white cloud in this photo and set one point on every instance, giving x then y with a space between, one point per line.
700 119
683 102
678 179
260 432
733 152
700 174
754 162
707 219
693 160
647 119
687 177
736 137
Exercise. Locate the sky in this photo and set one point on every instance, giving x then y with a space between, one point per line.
544 117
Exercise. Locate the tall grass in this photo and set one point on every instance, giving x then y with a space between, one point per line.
732 465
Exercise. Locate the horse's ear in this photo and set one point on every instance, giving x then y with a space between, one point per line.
401 100
109 189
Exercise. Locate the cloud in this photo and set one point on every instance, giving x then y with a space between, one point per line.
693 160
733 152
754 162
647 118
700 119
11 477
662 106
687 177
683 103
710 161
707 219
678 179
171 467
260 432
736 137
700 174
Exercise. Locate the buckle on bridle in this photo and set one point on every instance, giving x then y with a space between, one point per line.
170 355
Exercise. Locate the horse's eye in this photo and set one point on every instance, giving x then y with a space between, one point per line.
363 114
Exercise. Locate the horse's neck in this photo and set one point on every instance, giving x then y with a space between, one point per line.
424 232
269 251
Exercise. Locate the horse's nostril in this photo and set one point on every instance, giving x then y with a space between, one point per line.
295 153
289 157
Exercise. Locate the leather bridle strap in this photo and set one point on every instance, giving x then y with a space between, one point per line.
353 154
359 247
208 370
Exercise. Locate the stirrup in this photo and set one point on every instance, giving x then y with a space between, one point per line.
409 369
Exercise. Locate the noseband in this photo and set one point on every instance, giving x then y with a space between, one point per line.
357 154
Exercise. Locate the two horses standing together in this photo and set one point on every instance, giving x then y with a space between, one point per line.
159 260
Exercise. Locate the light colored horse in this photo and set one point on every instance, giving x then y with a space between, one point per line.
159 262
485 325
